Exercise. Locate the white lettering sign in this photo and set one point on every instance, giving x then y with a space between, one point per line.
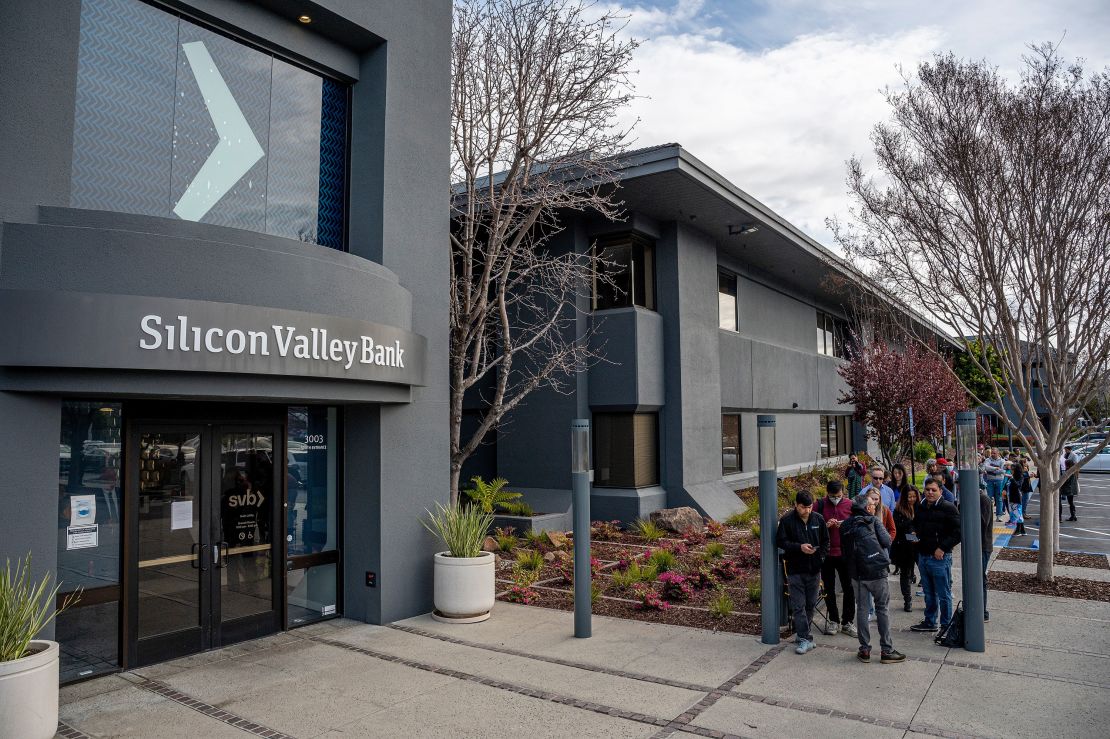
314 344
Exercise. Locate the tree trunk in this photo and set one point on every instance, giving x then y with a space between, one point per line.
1049 493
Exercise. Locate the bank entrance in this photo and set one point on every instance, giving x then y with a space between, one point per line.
205 507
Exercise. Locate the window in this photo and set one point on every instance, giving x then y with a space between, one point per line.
726 301
626 267
626 450
831 335
176 121
835 435
730 443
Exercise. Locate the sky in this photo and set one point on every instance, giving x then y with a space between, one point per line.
777 95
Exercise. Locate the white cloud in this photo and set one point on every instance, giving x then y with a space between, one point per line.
781 119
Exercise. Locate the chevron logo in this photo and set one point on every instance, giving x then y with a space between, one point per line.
237 150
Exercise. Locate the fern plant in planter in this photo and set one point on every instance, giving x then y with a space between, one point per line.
28 667
463 575
489 496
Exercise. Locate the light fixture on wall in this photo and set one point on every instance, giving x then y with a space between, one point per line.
742 229
305 18
794 406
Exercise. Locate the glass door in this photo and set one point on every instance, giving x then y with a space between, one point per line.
245 511
170 604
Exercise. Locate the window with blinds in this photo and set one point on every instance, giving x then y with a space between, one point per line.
626 450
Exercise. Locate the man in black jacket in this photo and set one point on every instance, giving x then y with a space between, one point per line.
865 543
938 529
986 508
804 539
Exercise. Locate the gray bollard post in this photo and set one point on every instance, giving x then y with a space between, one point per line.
769 576
580 483
971 524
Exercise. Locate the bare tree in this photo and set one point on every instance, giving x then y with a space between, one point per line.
992 215
536 90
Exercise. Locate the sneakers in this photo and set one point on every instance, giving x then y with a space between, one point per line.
1071 518
908 607
832 629
805 646
923 626
920 593
850 629
892 657
986 615
998 519
864 654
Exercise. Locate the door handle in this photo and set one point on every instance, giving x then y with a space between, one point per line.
221 554
198 557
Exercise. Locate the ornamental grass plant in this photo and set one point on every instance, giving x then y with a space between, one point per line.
26 606
462 529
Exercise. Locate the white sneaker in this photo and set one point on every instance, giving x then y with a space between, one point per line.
805 646
833 628
850 630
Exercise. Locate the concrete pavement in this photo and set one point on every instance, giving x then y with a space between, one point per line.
1046 672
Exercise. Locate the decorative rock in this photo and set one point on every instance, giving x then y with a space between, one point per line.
490 545
549 556
678 519
557 538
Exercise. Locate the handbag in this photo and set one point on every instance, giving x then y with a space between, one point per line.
952 635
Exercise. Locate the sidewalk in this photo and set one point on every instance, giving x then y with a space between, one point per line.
1046 672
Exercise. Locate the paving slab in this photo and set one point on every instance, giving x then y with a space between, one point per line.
675 652
754 719
480 711
967 701
1048 605
1049 662
133 712
1058 630
836 680
624 693
89 688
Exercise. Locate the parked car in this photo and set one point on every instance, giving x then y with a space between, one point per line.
1099 463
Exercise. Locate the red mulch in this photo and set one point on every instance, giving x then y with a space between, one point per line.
1061 587
1068 559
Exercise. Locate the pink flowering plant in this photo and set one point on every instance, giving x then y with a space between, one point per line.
649 598
676 587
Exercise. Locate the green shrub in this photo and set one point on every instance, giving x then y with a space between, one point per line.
755 531
506 539
537 539
524 576
634 573
595 592
26 606
714 550
755 590
519 508
923 451
462 529
489 495
648 529
721 605
530 559
662 560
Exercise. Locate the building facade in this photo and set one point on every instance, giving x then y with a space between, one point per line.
722 311
222 317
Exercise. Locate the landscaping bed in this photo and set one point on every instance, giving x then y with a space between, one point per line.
1067 559
1061 587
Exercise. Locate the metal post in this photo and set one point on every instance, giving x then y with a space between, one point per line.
971 526
769 573
580 482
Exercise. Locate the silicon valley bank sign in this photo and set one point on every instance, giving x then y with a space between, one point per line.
92 330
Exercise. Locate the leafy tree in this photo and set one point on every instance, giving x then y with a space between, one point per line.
971 371
536 91
884 383
990 215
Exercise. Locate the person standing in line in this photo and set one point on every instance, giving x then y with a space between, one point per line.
1070 488
899 483
904 549
937 524
986 542
1027 486
878 482
804 538
854 475
835 509
994 472
866 544
1018 480
945 469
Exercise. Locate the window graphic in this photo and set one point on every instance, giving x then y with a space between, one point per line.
176 121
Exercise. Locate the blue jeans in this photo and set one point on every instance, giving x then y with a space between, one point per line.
986 561
994 489
936 582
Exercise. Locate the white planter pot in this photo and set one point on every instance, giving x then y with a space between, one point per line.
463 587
29 694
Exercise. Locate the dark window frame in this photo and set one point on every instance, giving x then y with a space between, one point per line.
641 250
739 448
834 432
635 473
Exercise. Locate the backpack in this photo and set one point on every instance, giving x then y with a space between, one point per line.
953 633
869 559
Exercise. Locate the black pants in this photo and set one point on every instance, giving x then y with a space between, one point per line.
1071 505
830 570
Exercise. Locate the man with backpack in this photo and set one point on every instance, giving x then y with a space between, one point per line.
866 544
804 538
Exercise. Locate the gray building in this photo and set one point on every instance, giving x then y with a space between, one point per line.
222 316
725 311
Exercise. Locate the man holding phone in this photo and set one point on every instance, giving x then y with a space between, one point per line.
804 539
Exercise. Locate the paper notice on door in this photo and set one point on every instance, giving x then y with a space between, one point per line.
181 515
82 537
82 509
